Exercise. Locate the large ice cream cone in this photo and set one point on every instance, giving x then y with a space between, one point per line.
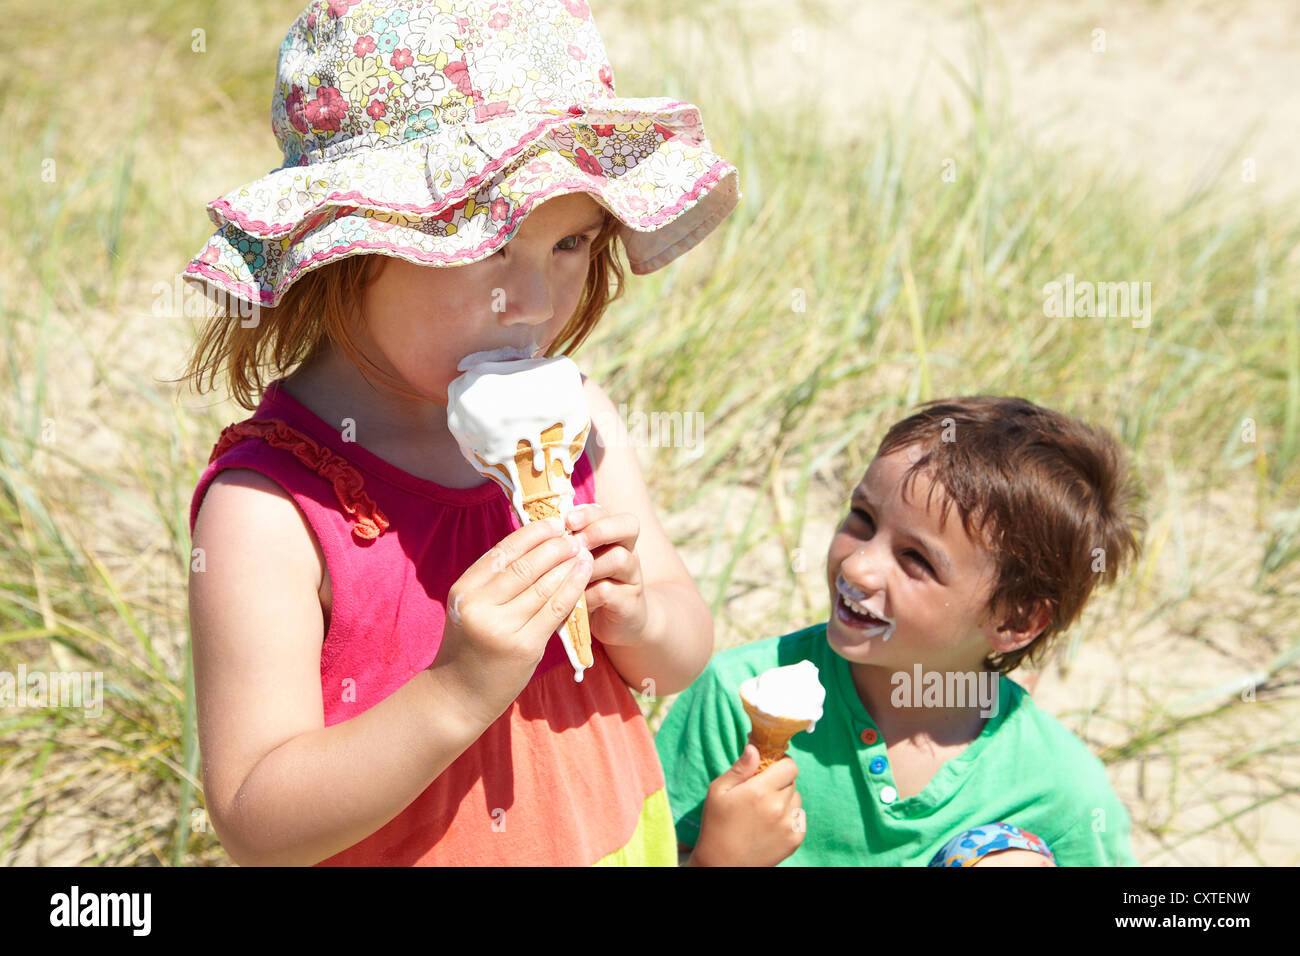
523 423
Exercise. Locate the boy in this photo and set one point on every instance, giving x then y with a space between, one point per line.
922 737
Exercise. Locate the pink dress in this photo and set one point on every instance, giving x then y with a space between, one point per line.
568 775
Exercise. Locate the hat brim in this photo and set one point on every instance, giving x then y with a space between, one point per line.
456 194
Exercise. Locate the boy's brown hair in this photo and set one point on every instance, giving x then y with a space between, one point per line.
1049 496
319 308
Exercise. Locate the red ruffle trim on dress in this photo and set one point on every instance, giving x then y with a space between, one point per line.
370 522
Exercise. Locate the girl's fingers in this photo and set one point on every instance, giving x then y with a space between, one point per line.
620 529
615 564
550 600
597 596
511 547
525 574
581 516
510 569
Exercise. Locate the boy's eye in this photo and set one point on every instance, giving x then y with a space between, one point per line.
860 515
915 557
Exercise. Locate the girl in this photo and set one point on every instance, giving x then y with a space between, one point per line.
455 176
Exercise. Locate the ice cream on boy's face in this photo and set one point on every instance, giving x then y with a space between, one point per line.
523 422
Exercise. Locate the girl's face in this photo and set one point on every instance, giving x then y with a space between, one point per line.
890 557
420 321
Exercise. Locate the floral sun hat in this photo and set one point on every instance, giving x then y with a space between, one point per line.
427 130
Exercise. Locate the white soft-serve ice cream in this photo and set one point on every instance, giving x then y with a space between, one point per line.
504 397
794 692
523 422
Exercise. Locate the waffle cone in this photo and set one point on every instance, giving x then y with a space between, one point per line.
543 491
771 735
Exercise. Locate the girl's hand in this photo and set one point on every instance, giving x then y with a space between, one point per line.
503 610
616 600
750 818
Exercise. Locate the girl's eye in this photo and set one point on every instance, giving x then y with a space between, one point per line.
861 516
571 243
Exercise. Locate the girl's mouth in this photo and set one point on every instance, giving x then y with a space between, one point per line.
852 611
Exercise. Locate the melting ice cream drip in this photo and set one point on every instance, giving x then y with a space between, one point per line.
550 459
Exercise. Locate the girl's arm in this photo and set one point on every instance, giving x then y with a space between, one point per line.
677 638
279 786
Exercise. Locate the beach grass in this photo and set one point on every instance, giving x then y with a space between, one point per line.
862 273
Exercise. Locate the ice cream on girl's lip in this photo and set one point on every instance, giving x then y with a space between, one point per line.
863 615
510 354
793 692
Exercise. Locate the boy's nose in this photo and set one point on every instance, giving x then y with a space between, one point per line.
863 569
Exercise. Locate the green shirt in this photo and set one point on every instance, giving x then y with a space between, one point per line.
1025 768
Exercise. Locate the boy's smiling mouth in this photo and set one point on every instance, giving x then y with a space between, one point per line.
852 610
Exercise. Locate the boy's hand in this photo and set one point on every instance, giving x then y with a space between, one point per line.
616 596
502 612
750 818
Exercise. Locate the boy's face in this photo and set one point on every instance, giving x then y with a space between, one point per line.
926 589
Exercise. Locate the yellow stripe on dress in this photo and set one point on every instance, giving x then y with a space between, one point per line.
654 842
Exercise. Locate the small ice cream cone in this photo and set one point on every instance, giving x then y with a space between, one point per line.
771 735
781 702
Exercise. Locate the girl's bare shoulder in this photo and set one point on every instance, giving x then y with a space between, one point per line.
248 518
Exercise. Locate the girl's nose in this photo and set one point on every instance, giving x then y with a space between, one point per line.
528 298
